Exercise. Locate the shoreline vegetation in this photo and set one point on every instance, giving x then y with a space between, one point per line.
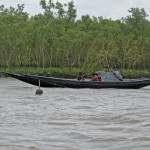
72 72
56 43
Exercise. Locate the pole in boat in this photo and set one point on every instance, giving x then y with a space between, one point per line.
39 91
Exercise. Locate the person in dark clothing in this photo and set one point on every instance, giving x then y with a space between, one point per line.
80 76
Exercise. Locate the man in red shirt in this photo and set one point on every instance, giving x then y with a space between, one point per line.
95 78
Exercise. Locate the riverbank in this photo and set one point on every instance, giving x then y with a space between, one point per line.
72 72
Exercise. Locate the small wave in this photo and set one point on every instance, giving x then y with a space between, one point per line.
84 107
113 129
146 125
76 135
132 121
59 123
108 139
142 139
35 148
6 146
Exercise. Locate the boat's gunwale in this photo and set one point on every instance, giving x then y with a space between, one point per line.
86 81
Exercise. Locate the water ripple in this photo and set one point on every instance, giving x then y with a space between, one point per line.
71 119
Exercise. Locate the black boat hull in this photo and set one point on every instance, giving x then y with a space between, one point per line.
59 82
132 84
31 80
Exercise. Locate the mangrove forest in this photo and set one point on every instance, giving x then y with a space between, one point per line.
57 39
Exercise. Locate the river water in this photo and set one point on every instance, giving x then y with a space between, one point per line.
73 119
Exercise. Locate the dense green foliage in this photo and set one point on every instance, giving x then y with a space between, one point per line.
57 39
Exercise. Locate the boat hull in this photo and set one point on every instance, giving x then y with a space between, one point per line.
59 82
132 84
31 80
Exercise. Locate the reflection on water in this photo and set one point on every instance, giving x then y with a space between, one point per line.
73 119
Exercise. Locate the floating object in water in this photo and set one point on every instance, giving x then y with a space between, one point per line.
39 91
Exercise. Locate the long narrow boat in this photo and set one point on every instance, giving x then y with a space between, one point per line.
31 80
60 82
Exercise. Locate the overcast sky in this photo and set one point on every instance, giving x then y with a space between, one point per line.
115 9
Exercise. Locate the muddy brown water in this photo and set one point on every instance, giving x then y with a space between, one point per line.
73 119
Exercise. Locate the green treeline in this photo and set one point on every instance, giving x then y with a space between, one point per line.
57 39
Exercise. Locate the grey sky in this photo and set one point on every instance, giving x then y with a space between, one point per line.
115 9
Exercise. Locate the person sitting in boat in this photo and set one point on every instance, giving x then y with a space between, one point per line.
80 76
95 78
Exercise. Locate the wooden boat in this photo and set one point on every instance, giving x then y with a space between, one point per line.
70 83
31 80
